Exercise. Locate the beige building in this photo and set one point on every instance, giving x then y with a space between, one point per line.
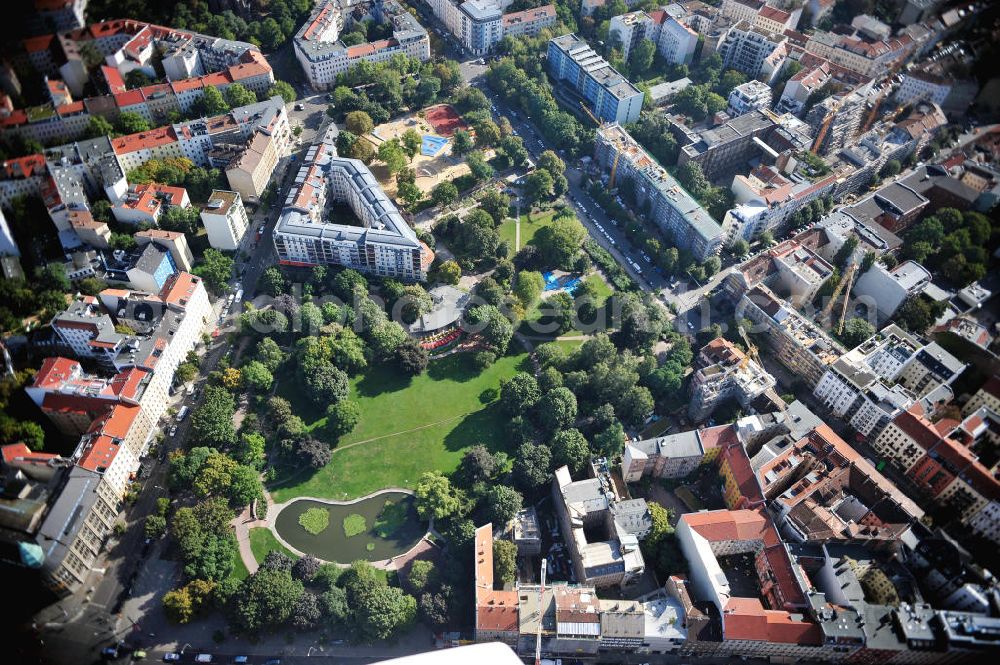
225 219
88 230
174 241
249 173
988 396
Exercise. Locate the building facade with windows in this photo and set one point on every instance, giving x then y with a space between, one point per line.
611 96
383 243
323 56
671 207
225 219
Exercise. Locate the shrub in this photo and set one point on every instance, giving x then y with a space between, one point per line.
315 520
354 524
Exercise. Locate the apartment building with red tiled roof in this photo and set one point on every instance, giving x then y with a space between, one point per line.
496 610
943 465
191 62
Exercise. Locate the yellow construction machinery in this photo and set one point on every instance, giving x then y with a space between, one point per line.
751 350
821 135
590 114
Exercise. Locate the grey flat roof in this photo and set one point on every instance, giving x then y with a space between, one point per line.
67 514
482 10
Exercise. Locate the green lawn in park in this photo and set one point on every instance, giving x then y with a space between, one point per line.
409 425
530 225
263 541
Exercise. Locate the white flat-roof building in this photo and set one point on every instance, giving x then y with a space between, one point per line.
225 219
750 96
888 289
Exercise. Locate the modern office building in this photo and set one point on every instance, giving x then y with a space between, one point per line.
609 94
482 25
671 207
379 242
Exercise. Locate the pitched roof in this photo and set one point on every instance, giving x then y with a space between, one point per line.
992 386
54 372
739 464
720 525
20 453
495 610
774 14
144 140
746 619
179 288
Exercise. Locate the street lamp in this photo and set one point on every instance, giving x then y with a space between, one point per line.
186 645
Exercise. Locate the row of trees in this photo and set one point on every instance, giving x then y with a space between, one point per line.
268 30
519 77
384 89
661 250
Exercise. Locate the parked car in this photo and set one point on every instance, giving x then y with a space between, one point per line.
182 414
171 657
173 430
203 658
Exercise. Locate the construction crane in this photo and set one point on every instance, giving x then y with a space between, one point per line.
849 278
541 616
614 171
846 281
751 349
821 135
590 114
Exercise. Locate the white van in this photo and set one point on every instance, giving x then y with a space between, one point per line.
181 415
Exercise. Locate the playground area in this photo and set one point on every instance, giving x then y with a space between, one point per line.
433 163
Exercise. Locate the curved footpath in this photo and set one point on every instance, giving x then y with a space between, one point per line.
246 521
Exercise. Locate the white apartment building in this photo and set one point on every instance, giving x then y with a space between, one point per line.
383 244
323 56
750 96
674 40
876 381
888 289
749 49
225 219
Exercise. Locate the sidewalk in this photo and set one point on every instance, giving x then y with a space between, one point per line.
242 525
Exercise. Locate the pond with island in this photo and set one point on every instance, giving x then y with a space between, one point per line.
378 527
